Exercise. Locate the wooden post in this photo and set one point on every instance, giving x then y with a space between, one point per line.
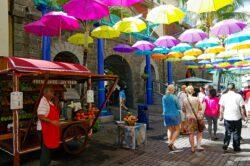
16 140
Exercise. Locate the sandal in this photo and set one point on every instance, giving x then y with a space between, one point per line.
171 147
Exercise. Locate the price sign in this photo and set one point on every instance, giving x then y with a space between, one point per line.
90 96
16 100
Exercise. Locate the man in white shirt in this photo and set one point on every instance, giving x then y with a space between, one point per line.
232 110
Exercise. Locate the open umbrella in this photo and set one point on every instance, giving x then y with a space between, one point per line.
237 37
86 9
143 45
217 61
203 62
193 35
194 80
166 41
125 3
207 56
202 6
193 52
158 56
123 48
181 47
235 59
227 27
160 50
80 39
215 50
188 58
38 28
130 24
224 65
239 46
165 14
105 32
206 43
227 54
142 53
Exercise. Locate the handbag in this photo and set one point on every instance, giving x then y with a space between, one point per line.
200 122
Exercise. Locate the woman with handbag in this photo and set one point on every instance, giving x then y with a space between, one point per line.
171 114
194 115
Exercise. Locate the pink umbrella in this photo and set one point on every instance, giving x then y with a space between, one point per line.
38 28
193 35
143 45
227 27
166 41
61 21
125 3
86 9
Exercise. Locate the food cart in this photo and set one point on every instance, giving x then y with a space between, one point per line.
22 82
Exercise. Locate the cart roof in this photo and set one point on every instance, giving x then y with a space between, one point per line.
43 67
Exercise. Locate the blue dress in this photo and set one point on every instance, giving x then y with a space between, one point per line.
171 107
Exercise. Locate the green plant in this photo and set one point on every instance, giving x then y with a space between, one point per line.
96 127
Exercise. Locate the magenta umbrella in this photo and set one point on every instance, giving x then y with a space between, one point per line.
86 9
125 3
61 21
143 45
38 28
227 27
166 41
123 48
193 35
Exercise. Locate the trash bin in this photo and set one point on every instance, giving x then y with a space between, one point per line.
142 114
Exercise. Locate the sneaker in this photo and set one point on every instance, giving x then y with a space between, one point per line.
224 147
237 150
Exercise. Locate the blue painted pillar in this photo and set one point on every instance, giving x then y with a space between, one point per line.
149 81
170 73
101 89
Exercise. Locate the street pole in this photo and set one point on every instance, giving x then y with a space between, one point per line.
149 81
170 73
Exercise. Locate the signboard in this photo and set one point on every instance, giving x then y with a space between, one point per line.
90 96
56 82
16 100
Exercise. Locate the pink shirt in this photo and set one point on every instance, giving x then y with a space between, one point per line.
212 107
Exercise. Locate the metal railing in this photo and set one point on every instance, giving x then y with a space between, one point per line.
159 87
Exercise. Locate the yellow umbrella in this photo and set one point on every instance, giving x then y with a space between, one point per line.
193 67
80 39
206 56
224 65
202 6
130 24
188 58
173 59
175 55
242 64
208 66
227 54
158 56
240 46
215 50
193 52
105 32
165 14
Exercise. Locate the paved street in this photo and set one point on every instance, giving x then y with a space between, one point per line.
103 151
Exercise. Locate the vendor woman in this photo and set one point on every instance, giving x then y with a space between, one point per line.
48 125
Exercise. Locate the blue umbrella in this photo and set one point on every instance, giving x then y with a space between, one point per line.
161 50
216 61
234 59
237 38
206 43
204 62
190 63
182 47
141 53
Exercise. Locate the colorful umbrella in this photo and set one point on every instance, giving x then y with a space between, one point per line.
80 39
123 48
208 66
38 28
234 59
188 58
86 9
181 47
175 55
166 41
203 6
227 27
193 52
143 45
158 56
61 21
215 50
206 43
237 37
240 46
161 50
141 53
227 54
203 62
173 59
130 24
224 65
242 64
193 35
206 56
216 61
105 32
165 14
125 3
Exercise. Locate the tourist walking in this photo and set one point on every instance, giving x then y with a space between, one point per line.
171 114
212 112
194 114
232 110
201 94
181 96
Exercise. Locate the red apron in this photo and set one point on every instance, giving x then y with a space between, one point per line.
51 133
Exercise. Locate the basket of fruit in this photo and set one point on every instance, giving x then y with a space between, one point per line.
130 119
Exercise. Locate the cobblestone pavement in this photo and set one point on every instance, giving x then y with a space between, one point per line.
103 151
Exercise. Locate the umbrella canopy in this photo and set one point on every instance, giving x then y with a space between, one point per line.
234 59
105 32
193 52
227 27
206 43
224 65
181 47
165 14
125 3
193 35
203 6
141 53
216 61
130 24
188 58
242 64
61 21
175 55
143 45
86 9
166 41
161 50
227 54
240 46
195 80
206 56
80 39
215 50
38 28
237 37
203 62
123 48
158 56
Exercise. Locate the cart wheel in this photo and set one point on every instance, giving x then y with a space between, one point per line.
74 139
